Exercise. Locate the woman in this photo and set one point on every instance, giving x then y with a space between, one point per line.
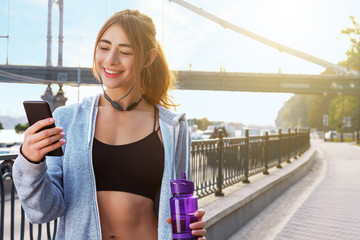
122 147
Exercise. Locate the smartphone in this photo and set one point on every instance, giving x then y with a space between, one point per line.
38 110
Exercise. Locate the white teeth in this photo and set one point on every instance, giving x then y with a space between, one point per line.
111 72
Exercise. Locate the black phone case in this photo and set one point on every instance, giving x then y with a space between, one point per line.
38 110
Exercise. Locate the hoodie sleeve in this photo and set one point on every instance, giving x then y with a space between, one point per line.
39 187
182 155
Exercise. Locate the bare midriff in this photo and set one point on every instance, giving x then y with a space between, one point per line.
126 216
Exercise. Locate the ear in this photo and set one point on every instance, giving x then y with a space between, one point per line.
150 57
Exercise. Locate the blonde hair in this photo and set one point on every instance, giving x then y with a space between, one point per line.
156 79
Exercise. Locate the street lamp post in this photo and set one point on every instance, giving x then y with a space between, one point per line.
357 119
7 35
339 87
342 120
356 85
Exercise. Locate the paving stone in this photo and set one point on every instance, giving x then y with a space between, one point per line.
332 211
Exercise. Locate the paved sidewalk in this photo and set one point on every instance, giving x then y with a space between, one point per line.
332 211
325 205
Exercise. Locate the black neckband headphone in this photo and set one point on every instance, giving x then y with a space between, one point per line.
116 104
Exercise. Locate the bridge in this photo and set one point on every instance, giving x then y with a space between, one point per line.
346 81
196 80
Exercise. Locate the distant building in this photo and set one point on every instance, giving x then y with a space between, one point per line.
252 132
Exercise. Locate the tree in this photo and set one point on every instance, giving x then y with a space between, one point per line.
294 113
342 106
201 123
1 126
20 128
353 54
308 111
319 107
353 62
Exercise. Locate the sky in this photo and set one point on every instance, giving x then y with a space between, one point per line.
311 26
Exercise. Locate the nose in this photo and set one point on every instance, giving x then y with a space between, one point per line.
113 58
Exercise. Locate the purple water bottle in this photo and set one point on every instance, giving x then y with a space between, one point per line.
183 205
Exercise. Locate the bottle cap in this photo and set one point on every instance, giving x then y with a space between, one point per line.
182 186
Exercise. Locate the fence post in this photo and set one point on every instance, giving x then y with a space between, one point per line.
280 144
266 172
289 145
301 148
297 143
247 157
219 192
302 141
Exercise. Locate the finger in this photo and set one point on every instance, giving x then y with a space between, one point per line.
40 124
46 133
46 137
199 213
198 225
202 238
49 140
198 232
52 147
169 221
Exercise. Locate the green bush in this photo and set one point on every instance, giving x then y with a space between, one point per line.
20 128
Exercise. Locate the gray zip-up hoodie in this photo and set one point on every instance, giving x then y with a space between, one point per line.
65 186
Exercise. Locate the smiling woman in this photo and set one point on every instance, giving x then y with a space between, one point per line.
113 181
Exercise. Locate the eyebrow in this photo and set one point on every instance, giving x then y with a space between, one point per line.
120 44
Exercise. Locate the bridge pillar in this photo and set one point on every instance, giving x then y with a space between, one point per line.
59 99
54 101
48 96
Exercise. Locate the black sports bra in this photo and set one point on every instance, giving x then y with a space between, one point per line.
134 168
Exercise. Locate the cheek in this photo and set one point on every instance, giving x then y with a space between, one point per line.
100 57
98 62
128 62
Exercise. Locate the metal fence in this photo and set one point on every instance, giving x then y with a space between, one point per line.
13 223
221 162
216 163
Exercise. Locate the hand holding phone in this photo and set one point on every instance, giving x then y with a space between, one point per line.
42 137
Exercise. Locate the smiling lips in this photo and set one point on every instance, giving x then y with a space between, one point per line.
111 73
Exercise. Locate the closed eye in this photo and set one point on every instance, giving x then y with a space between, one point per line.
126 53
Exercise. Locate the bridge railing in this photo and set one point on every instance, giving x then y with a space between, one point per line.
13 223
217 163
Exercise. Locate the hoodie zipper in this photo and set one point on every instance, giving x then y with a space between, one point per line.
91 132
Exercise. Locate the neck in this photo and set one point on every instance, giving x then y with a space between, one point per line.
125 100
121 104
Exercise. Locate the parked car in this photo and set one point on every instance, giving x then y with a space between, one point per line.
330 135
